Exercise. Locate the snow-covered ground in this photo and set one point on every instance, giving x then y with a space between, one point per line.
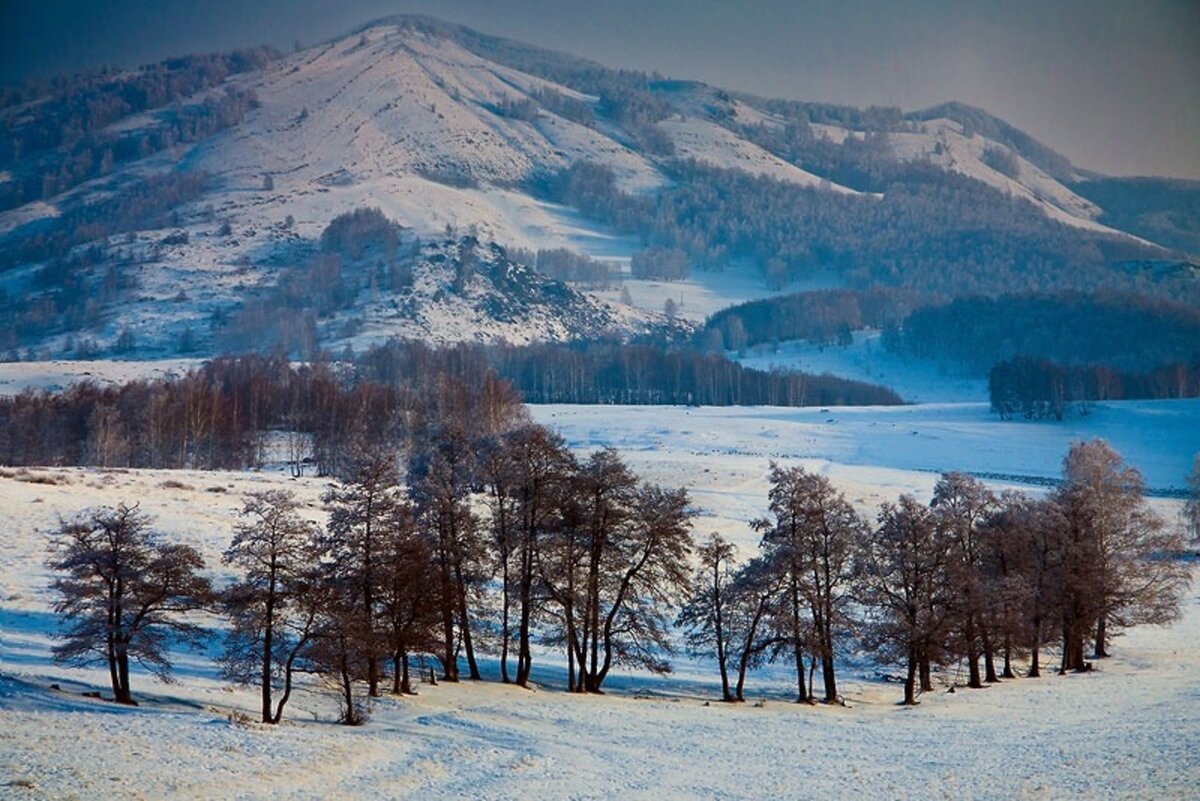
1159 438
915 380
1127 730
15 377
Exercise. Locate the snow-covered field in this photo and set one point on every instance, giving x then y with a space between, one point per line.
1127 730
16 377
917 381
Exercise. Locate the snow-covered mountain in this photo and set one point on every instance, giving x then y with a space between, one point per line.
446 131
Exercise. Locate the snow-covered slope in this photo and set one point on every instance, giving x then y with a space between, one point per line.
944 142
466 292
435 126
706 141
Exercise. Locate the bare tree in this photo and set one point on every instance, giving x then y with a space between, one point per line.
705 616
125 593
441 474
271 609
361 512
409 606
616 568
343 645
543 466
755 601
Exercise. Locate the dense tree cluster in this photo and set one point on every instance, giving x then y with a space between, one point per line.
219 416
71 290
972 577
822 317
588 557
1119 331
55 135
646 374
1038 389
141 204
936 232
353 233
1002 160
1163 210
660 264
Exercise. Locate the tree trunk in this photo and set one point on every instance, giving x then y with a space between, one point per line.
926 674
504 630
910 680
524 653
802 691
802 694
1007 673
465 623
268 641
973 679
114 680
1035 670
722 657
989 658
449 658
122 693
1101 651
405 676
351 716
827 673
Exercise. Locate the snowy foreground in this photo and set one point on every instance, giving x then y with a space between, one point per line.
1128 730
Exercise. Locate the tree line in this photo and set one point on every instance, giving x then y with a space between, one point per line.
1038 389
499 541
823 317
971 578
580 553
223 414
1121 331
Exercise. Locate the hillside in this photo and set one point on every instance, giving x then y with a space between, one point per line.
164 214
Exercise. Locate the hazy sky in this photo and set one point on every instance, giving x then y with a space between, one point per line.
1113 84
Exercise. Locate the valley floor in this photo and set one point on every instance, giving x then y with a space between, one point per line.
1128 730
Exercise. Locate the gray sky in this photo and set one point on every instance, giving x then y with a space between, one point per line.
1113 84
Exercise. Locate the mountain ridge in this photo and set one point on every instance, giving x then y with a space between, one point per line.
448 130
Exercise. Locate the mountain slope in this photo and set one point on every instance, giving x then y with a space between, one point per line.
449 131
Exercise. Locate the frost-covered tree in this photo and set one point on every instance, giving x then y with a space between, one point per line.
960 504
125 593
811 540
441 476
615 569
902 565
1119 556
409 608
